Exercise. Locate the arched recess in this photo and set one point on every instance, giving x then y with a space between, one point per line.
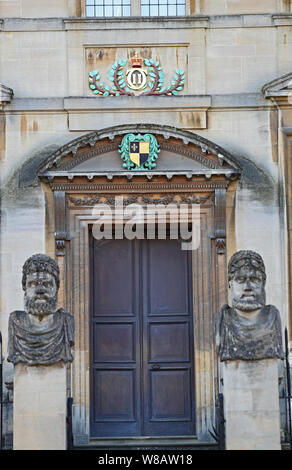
190 170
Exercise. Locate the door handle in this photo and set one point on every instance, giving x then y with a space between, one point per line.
155 367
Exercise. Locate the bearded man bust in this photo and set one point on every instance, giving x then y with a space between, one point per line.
248 329
42 334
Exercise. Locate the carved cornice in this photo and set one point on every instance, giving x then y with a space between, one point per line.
6 95
84 156
205 146
50 176
171 147
280 89
192 154
138 187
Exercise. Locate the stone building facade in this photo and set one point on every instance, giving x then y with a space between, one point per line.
226 144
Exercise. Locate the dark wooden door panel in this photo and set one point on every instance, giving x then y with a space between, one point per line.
114 342
115 278
169 406
115 404
141 339
165 278
168 341
115 347
116 401
170 395
167 335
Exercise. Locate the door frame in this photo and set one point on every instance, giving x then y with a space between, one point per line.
70 200
73 257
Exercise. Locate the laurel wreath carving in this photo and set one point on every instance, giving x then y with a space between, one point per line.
155 84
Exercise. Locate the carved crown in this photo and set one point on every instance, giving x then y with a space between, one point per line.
136 62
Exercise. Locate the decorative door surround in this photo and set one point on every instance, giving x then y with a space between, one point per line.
78 182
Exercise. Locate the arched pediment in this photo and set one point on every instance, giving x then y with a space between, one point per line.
96 154
279 87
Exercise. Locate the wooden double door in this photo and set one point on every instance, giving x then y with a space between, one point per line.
141 366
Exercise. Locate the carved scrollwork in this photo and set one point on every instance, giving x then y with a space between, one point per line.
126 201
176 199
60 243
196 200
220 244
97 199
84 202
166 200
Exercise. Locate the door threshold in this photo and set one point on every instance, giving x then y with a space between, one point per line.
147 442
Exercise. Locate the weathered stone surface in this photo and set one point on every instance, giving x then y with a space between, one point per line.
187 119
27 8
39 416
232 7
251 405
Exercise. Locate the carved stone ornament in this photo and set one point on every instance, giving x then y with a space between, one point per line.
142 76
170 138
41 334
139 152
6 95
141 199
248 329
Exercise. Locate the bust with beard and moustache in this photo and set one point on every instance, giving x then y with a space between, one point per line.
248 329
41 334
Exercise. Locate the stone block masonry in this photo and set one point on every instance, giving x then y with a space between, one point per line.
251 401
39 407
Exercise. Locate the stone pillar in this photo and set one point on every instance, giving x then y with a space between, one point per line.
251 405
39 416
40 339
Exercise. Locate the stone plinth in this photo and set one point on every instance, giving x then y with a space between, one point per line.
39 417
251 405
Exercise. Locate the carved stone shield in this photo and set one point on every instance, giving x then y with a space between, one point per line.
139 152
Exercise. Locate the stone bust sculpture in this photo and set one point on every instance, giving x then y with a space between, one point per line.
40 335
248 329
